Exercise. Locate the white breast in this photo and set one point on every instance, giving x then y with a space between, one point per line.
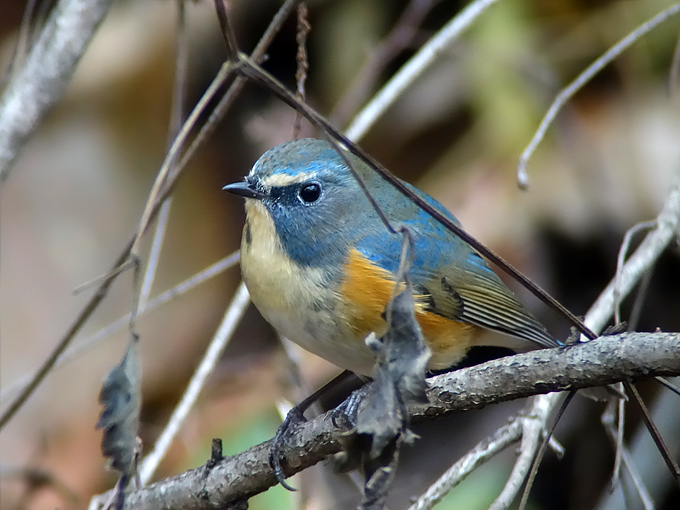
302 307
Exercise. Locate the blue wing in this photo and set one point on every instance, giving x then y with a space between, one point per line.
457 282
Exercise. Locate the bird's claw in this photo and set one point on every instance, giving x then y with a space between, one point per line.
294 418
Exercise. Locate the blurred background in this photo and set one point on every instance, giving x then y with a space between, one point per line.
79 187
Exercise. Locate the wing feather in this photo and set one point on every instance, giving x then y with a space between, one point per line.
486 302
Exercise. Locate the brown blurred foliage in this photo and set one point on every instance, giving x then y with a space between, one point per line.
80 185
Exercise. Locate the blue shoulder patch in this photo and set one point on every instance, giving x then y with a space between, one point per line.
436 246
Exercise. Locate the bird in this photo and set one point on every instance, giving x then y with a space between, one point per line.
320 264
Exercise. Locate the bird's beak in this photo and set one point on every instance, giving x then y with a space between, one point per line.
244 189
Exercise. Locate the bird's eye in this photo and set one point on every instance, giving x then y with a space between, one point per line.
310 193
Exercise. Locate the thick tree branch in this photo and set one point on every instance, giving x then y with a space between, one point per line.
46 73
604 361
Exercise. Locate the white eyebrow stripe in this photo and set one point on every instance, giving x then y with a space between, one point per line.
275 180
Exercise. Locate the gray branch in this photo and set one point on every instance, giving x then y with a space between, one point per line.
604 361
47 71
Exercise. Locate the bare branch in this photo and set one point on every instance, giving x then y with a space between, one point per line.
480 454
176 119
615 413
607 360
643 457
533 427
160 300
48 70
402 36
621 259
166 179
164 182
627 275
224 332
644 257
64 342
567 93
427 55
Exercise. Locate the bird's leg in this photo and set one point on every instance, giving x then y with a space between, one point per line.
345 415
296 416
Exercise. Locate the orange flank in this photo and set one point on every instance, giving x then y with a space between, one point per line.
367 288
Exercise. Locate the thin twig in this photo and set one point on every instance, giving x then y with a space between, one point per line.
23 42
623 251
312 115
141 292
669 385
80 320
362 184
623 457
400 37
674 73
546 405
160 300
297 390
643 459
155 253
227 31
479 455
415 67
583 78
667 223
228 99
226 329
160 187
128 264
643 493
303 28
176 118
155 199
618 441
640 296
654 432
533 429
644 257
46 73
166 175
149 213
224 332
